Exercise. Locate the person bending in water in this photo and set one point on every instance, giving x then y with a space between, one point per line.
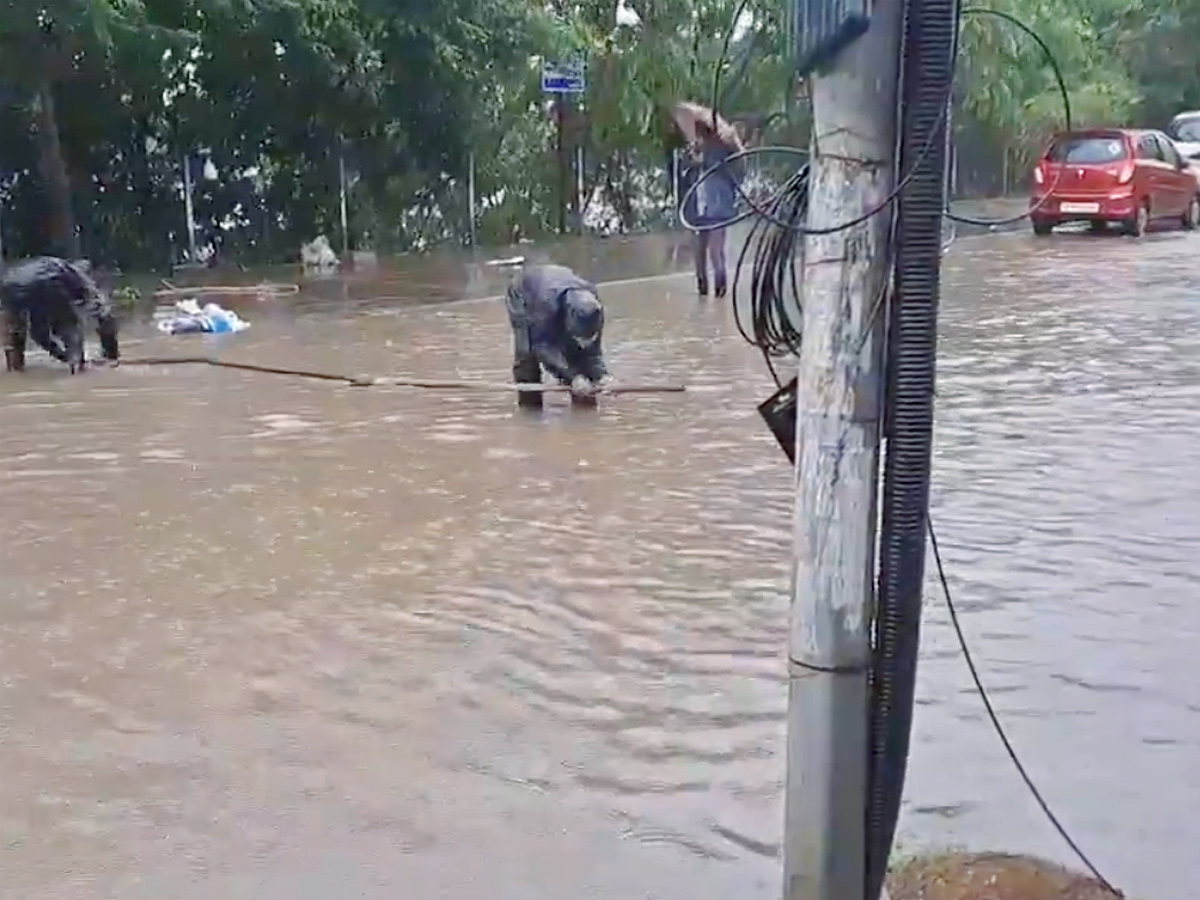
49 299
557 321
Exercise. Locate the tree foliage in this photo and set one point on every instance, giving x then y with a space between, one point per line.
1124 62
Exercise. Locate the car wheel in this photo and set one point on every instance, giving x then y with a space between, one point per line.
1136 226
1042 227
1191 217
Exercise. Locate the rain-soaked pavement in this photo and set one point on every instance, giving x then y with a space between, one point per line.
267 638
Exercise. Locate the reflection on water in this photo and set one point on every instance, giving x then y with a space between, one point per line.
276 639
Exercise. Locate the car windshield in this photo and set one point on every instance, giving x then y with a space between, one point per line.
1186 129
1079 149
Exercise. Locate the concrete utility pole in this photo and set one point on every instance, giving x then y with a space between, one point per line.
840 395
561 107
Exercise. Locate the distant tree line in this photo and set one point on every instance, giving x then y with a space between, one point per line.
104 103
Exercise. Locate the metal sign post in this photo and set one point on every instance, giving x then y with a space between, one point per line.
563 79
472 203
189 208
343 199
567 77
581 204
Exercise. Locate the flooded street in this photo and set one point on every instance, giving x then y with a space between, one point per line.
271 639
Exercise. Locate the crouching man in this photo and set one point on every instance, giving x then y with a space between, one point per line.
557 321
49 299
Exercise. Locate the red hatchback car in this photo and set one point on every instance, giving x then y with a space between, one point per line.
1118 176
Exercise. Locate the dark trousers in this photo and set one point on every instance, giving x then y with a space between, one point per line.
55 330
710 247
15 333
526 370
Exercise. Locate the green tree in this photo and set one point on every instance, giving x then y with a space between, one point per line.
1157 44
44 45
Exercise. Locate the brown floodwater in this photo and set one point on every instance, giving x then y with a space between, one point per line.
269 638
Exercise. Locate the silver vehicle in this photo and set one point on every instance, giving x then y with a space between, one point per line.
1184 130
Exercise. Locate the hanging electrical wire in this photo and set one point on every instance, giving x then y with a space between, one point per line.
1001 732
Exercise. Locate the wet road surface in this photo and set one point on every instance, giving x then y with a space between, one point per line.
267 638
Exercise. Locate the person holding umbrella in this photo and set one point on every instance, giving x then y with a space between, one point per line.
712 141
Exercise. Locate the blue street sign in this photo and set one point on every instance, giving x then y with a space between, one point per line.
563 77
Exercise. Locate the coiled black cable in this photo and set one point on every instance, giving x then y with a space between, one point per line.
770 317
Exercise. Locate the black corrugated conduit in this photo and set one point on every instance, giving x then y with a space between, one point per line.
930 39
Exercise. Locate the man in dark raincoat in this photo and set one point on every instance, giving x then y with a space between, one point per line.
49 299
557 322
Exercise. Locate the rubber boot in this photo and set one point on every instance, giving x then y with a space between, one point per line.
14 343
528 371
584 401
14 359
72 341
700 261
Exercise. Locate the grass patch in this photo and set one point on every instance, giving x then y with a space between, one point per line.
989 876
126 297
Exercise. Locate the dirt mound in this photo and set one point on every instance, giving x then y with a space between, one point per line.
990 876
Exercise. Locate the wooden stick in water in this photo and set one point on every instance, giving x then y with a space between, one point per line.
167 361
245 367
275 370
229 289
526 387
